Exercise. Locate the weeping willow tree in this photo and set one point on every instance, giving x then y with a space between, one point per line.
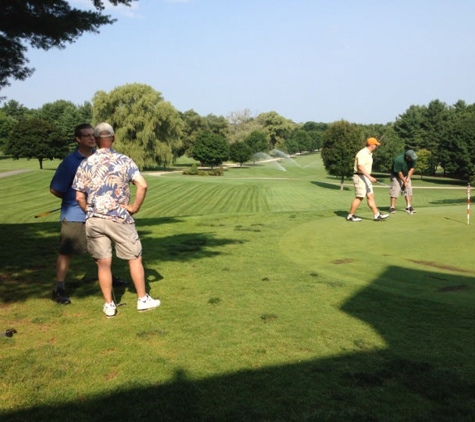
147 128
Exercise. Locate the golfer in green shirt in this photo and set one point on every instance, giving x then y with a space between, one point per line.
401 172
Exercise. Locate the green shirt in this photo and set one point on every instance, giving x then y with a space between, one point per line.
401 165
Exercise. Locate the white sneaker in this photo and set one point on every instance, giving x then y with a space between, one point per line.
109 309
353 218
381 217
147 304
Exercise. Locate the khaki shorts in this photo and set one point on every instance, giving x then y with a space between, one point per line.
363 185
101 233
396 188
72 239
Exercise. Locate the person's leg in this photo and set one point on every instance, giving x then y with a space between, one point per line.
104 275
408 195
68 245
394 192
137 273
59 293
354 205
372 203
62 267
129 248
360 192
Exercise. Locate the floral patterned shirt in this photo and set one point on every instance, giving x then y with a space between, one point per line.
105 178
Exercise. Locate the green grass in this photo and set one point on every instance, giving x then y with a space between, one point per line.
273 306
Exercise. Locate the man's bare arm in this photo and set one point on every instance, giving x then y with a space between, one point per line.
81 200
141 185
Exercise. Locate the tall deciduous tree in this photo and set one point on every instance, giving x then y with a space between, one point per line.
217 124
316 131
425 162
241 124
193 125
341 142
277 128
14 109
302 141
44 25
36 138
147 128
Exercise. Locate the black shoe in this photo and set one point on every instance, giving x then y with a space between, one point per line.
59 296
118 282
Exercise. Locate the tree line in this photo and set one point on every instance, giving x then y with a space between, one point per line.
442 135
155 134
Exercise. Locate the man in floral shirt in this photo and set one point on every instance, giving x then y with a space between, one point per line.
102 191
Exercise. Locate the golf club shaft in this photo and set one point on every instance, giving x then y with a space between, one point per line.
46 213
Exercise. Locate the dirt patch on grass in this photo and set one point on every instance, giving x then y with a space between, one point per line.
442 267
12 173
342 261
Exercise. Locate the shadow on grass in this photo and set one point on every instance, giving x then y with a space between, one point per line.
441 181
28 262
329 185
424 373
450 201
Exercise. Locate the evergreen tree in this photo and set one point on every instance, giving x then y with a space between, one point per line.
210 149
240 152
44 25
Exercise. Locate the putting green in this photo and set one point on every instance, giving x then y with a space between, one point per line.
430 250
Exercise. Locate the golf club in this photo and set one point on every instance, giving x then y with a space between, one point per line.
9 332
46 213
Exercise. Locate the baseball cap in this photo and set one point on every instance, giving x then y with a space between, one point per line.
411 154
103 127
373 141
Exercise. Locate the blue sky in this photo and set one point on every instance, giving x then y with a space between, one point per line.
365 61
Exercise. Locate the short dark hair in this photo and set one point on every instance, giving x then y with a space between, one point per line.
79 128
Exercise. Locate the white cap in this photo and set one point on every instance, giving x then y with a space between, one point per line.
103 127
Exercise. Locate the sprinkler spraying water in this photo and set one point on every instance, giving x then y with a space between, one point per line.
262 158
